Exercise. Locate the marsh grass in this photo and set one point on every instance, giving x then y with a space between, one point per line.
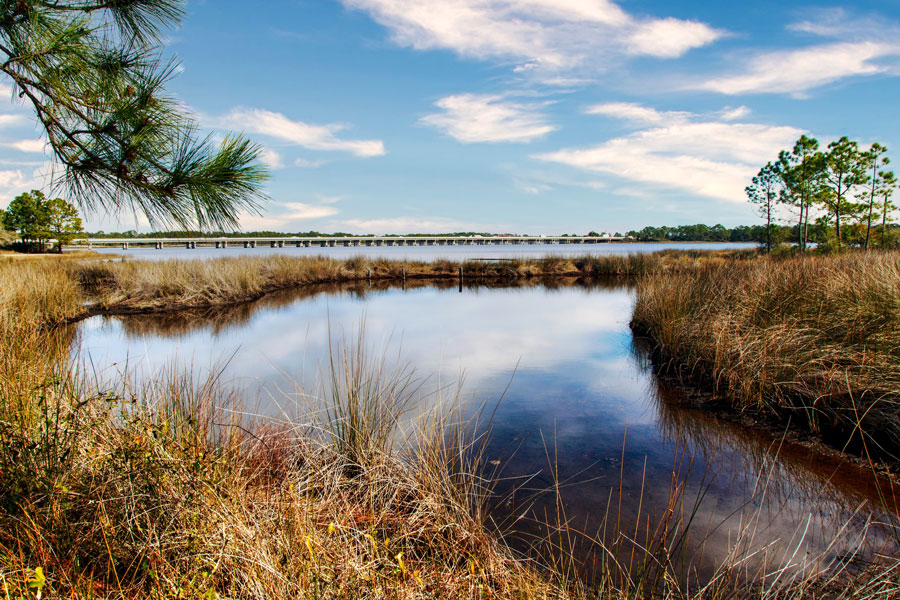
812 339
61 289
170 489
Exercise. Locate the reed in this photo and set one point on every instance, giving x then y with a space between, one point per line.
814 340
69 289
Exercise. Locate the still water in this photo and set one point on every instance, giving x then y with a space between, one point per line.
581 412
424 253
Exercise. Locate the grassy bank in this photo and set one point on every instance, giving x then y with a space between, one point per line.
812 339
67 289
171 490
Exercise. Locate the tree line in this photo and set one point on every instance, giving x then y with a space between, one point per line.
707 233
844 190
36 219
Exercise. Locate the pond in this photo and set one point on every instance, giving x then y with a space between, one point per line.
585 432
425 253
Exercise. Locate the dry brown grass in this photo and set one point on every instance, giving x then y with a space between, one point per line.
169 490
816 339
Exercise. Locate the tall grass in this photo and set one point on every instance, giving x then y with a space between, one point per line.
814 339
171 490
61 287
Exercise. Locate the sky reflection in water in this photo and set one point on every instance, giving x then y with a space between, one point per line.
578 391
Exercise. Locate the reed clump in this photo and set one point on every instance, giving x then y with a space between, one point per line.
170 490
812 339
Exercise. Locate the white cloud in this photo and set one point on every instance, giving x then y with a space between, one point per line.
8 120
545 35
271 158
407 225
797 71
472 118
294 215
313 137
734 114
670 38
714 159
636 113
533 188
304 163
12 178
37 146
15 181
299 211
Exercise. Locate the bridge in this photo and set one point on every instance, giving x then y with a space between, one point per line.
343 241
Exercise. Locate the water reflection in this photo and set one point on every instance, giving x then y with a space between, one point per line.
426 253
583 414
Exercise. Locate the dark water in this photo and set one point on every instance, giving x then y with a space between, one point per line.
582 413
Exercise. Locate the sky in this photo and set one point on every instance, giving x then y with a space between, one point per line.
519 116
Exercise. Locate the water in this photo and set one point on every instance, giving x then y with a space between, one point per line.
424 253
582 408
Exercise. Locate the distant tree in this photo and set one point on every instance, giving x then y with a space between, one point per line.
763 191
887 185
38 219
800 171
62 221
844 168
873 159
26 216
92 71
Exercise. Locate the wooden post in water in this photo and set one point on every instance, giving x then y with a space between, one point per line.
460 279
368 274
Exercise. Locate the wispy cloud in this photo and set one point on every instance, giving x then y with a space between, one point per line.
548 35
312 137
31 146
304 163
271 158
798 71
472 118
7 120
683 152
636 113
414 224
734 114
858 47
293 215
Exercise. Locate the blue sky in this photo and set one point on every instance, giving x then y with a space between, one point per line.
529 116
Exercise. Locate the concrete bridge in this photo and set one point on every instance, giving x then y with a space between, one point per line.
330 242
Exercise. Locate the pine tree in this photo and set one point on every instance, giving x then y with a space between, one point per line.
763 191
874 158
844 168
94 73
